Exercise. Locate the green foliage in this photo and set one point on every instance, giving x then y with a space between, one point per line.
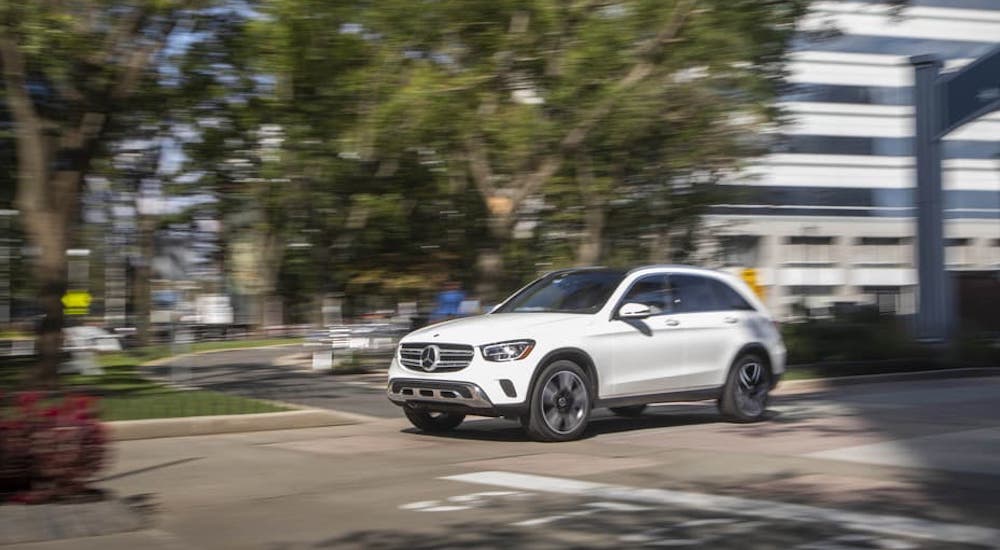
381 147
848 339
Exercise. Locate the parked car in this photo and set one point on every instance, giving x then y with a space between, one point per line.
579 339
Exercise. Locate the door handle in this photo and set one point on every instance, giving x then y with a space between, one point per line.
731 320
673 322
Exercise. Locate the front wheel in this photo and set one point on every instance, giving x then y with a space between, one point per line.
560 403
433 421
745 396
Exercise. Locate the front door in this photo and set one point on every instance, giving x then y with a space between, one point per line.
644 354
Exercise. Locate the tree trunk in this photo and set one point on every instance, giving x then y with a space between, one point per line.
659 247
141 283
489 264
51 272
46 226
590 248
588 251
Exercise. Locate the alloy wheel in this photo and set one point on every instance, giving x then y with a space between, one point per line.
751 389
564 402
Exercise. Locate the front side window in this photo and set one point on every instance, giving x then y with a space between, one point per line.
566 292
652 291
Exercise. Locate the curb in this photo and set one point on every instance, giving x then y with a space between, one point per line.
820 384
155 428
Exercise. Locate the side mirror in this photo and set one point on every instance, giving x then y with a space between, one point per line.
633 310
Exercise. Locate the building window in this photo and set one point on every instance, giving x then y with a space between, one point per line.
994 252
958 252
740 250
882 251
809 251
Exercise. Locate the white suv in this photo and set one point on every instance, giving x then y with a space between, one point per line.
583 338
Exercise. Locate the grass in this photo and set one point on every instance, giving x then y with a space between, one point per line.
127 395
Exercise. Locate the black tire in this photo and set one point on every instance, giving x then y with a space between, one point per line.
432 421
630 411
560 403
746 393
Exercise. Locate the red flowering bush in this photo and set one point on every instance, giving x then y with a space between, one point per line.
48 450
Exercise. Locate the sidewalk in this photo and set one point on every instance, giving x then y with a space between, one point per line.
23 523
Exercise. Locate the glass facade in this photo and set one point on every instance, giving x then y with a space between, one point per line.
881 146
893 45
851 201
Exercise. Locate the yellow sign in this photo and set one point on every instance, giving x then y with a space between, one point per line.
76 302
749 276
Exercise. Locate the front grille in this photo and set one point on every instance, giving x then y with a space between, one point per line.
451 357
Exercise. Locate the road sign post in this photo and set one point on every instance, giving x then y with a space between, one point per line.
933 319
941 104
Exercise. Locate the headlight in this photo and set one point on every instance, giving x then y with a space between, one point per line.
507 351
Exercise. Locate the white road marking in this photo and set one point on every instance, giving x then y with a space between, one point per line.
460 502
618 506
857 542
477 497
420 505
874 523
538 521
445 508
432 506
700 522
594 507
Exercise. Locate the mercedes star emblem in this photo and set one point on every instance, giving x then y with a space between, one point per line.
429 357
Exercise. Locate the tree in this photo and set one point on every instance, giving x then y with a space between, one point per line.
330 209
515 92
69 69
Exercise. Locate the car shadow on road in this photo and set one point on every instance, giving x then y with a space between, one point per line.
496 429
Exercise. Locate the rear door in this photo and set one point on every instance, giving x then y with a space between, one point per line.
712 325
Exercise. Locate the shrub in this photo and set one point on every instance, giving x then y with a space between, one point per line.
848 339
49 448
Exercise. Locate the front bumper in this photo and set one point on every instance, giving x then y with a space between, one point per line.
403 390
482 388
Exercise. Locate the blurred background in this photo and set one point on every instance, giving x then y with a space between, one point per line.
180 171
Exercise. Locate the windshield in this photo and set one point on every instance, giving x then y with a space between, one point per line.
566 292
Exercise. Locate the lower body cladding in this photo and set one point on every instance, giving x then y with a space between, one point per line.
449 396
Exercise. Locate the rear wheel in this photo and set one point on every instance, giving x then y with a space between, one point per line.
433 421
745 396
631 411
560 403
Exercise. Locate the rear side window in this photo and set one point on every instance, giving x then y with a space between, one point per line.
728 297
693 293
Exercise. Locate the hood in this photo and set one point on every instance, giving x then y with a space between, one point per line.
495 327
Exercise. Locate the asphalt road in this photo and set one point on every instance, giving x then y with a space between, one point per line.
892 466
281 374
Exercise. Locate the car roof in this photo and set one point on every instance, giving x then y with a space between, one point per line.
673 267
637 269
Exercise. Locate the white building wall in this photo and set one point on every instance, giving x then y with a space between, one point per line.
846 277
